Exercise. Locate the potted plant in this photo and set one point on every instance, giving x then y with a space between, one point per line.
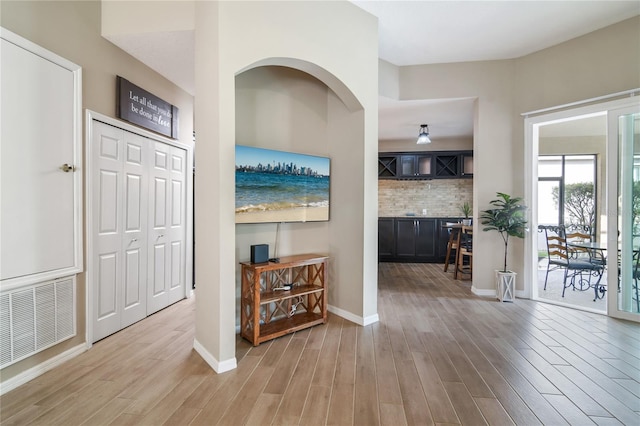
466 211
508 218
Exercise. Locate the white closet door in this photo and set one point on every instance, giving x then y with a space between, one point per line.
177 228
167 227
119 229
134 238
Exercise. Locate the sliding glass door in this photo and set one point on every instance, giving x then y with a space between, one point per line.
624 232
608 133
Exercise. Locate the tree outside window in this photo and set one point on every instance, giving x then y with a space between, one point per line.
579 203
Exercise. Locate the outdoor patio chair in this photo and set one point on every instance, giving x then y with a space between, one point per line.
556 255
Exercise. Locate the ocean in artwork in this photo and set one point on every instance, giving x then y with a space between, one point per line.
261 192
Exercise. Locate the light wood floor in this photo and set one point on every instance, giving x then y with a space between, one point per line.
438 356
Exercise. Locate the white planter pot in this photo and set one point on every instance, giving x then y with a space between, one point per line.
505 286
466 222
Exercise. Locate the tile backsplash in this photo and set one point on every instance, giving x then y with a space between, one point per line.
441 197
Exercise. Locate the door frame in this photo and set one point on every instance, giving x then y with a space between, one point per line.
532 121
90 116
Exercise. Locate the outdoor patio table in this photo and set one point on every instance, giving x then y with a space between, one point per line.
597 254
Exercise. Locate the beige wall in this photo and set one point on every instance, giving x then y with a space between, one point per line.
232 37
72 30
287 110
491 83
447 144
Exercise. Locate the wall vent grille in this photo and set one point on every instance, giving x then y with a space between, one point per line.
36 317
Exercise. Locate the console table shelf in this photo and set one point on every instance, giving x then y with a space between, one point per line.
267 313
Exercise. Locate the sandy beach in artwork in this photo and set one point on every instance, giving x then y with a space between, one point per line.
298 214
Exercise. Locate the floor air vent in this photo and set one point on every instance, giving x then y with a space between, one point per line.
36 317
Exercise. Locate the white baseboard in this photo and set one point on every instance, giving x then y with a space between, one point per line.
371 319
218 366
353 318
482 292
520 294
40 369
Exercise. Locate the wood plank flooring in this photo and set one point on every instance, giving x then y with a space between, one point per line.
438 355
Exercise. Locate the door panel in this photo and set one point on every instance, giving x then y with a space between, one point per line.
158 286
120 234
176 264
159 202
108 195
176 203
134 238
169 231
177 234
133 282
107 162
106 285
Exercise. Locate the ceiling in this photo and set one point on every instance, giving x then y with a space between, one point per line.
427 32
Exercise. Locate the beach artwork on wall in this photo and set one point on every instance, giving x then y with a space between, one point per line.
279 186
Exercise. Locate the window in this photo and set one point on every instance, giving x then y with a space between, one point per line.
567 190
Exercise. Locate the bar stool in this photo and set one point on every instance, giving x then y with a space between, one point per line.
452 244
465 249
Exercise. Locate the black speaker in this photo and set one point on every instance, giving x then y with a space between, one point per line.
259 253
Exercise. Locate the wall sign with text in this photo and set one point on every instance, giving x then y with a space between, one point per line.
140 107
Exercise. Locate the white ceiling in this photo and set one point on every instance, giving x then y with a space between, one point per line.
427 32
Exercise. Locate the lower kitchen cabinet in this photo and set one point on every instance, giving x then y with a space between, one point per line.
412 239
415 239
386 238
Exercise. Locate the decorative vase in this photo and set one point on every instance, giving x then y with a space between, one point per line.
505 286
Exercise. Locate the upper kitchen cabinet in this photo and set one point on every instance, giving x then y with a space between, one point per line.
387 166
415 165
421 165
466 164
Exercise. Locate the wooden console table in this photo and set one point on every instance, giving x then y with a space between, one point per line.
268 311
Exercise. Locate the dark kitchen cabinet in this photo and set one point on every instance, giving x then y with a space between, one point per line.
420 165
413 239
387 166
415 165
386 239
466 165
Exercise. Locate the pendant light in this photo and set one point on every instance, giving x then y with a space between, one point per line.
423 136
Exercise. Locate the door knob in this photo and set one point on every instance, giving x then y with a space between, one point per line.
68 168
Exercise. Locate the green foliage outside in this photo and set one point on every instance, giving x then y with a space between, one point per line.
635 208
579 203
580 206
